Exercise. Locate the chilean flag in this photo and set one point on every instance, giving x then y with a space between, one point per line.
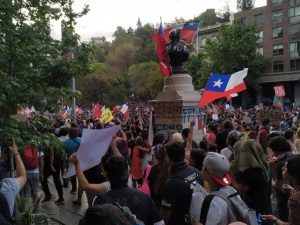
223 85
159 37
189 30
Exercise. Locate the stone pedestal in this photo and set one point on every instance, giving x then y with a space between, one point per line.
176 106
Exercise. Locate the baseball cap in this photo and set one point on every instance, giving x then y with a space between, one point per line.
218 166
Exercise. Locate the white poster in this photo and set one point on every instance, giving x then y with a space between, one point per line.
94 145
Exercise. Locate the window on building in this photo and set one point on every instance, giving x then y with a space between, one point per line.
295 50
258 19
295 64
277 49
243 21
276 2
294 2
277 16
260 35
277 66
294 14
260 51
294 31
277 32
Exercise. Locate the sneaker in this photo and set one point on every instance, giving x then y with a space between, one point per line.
77 202
60 201
46 200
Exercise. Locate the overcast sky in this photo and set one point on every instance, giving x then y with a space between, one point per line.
106 15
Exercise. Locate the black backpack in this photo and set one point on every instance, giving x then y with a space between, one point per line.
5 217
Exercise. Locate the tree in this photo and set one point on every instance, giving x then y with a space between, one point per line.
31 61
245 4
145 79
209 17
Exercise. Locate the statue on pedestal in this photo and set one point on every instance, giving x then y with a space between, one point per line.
177 52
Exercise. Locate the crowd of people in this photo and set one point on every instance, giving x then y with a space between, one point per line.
241 171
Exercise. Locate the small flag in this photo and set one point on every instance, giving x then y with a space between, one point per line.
279 91
125 110
198 124
107 116
278 102
96 111
208 109
189 30
215 109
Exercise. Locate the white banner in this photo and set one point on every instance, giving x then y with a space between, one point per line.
94 145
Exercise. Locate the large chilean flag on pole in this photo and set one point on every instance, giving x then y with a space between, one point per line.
223 85
159 37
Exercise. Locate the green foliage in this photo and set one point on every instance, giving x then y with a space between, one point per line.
31 60
27 212
145 79
210 17
245 4
33 132
234 49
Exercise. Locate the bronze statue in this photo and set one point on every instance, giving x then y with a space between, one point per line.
177 52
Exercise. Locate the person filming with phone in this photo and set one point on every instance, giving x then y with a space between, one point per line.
10 187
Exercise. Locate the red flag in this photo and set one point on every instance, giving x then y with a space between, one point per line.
159 38
96 111
166 34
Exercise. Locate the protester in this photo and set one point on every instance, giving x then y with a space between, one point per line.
33 162
138 155
116 168
291 173
177 194
282 151
106 214
52 165
216 173
10 187
223 134
263 134
233 137
71 146
250 171
158 174
297 141
289 135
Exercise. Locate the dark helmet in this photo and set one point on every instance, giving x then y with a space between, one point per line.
174 34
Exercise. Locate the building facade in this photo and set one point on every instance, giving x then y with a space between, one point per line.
279 31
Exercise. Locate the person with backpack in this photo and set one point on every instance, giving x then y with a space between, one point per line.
179 188
33 163
10 187
223 205
129 199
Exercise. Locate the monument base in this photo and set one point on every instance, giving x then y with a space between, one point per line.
176 106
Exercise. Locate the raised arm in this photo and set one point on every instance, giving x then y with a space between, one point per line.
93 188
20 168
189 143
114 147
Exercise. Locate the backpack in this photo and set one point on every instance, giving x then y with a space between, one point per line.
238 210
30 158
198 196
129 215
5 217
127 212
